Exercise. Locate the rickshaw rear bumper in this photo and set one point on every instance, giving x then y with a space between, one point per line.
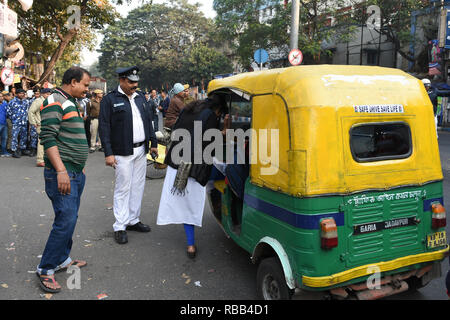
334 280
389 285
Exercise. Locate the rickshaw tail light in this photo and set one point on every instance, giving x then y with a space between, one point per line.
328 233
439 217
329 243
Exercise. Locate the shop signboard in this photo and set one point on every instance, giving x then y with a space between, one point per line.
8 21
447 31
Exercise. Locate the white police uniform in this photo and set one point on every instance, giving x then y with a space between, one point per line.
125 131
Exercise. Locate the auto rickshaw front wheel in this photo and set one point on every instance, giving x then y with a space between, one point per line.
270 281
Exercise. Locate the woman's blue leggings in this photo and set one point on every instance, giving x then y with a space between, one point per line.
189 229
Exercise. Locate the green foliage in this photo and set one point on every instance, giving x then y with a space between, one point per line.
395 21
240 21
159 38
43 29
204 62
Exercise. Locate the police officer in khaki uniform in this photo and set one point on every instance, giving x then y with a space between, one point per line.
93 111
34 118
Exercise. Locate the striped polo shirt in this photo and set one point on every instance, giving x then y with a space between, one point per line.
63 126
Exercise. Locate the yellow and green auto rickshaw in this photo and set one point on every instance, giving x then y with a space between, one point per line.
352 202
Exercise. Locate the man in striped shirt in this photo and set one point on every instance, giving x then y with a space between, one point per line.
66 151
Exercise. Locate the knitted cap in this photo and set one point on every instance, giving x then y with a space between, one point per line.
177 88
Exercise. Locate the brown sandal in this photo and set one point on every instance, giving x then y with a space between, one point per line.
44 280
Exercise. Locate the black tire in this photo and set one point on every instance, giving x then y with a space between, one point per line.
270 281
414 283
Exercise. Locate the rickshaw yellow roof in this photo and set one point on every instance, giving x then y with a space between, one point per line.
315 80
314 108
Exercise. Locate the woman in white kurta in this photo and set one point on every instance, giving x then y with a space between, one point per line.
178 209
183 199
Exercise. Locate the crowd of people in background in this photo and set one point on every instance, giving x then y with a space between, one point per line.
19 123
20 117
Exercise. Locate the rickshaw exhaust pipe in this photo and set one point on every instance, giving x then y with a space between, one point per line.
384 291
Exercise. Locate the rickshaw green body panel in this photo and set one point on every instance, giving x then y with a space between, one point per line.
294 224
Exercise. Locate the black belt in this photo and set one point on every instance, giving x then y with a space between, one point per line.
137 145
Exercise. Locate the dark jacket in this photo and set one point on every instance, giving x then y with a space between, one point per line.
116 123
432 94
153 103
165 105
201 171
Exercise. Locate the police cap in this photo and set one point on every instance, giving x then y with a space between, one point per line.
129 72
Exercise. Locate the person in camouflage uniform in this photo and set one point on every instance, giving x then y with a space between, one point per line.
17 111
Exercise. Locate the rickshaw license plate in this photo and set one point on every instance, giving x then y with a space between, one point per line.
438 239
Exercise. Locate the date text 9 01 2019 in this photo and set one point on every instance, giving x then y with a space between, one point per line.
229 309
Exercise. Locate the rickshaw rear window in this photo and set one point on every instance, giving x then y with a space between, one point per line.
380 141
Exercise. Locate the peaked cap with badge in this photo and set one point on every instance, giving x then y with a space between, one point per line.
129 72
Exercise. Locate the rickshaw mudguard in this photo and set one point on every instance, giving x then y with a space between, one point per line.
282 256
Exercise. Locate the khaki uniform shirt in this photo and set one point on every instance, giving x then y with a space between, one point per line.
93 109
34 113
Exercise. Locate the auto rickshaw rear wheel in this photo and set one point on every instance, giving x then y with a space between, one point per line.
270 281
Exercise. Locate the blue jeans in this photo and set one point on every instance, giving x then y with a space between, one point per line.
3 137
57 250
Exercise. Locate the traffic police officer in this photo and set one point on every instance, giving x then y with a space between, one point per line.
125 131
17 111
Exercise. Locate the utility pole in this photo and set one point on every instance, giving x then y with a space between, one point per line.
294 24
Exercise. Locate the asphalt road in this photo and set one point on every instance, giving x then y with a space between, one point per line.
150 266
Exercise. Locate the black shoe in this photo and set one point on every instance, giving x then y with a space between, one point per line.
17 154
33 153
192 254
26 152
121 237
139 227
